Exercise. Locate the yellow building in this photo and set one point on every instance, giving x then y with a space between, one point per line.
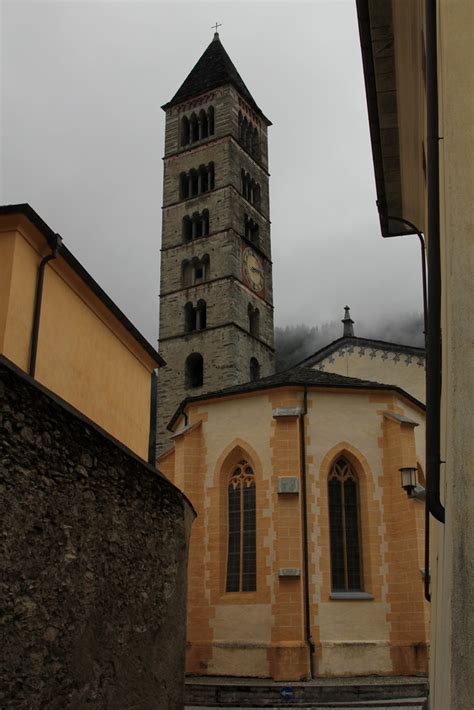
306 557
418 60
59 326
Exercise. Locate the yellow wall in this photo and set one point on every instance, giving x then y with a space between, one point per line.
398 369
85 355
262 633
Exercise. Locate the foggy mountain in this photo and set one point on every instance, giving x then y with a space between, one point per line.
295 342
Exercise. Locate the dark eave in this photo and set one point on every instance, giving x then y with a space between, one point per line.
27 211
295 377
378 60
327 350
215 68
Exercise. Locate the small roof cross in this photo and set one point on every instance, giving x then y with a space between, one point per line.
214 27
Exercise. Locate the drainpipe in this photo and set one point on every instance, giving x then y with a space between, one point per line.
38 299
433 361
414 229
307 598
153 413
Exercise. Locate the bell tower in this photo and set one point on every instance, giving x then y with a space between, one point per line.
216 301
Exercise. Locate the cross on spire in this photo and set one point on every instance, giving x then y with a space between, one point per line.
214 27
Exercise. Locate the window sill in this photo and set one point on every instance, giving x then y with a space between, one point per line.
351 596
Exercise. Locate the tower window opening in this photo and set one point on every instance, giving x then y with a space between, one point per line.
184 131
203 125
189 318
183 186
254 320
187 229
210 120
196 182
194 128
254 369
250 189
186 276
194 370
195 226
201 315
193 183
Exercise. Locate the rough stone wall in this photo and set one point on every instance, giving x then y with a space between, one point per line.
226 362
95 546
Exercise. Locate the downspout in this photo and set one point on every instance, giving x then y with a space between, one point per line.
37 308
414 228
307 597
433 353
153 423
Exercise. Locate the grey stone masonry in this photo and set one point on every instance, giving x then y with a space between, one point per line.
215 219
94 552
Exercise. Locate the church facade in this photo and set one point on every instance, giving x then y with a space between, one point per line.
306 557
216 302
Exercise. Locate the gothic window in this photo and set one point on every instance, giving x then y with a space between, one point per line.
343 495
184 131
254 369
194 371
241 544
254 320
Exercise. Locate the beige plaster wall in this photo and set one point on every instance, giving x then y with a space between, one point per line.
377 365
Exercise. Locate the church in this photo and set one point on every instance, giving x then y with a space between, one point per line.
306 557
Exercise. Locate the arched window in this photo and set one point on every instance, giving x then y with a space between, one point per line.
184 131
210 120
183 186
255 144
241 543
187 229
189 318
203 125
194 128
194 371
254 320
343 495
201 315
205 220
187 274
254 369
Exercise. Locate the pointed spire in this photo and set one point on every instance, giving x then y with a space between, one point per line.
348 323
215 68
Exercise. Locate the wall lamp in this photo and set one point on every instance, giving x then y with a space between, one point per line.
408 476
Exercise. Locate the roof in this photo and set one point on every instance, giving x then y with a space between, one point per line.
215 68
295 376
50 236
354 341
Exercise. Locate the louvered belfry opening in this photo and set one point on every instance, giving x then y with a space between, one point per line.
343 495
241 547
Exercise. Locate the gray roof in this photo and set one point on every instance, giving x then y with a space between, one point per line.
295 376
215 68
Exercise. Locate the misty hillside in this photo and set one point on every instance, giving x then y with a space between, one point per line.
295 342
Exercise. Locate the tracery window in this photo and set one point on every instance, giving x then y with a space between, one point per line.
241 546
343 495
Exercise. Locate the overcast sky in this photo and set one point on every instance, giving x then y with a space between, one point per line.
82 142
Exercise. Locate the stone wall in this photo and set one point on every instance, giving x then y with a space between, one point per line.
95 548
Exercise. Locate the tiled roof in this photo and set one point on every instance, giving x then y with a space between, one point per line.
215 68
296 376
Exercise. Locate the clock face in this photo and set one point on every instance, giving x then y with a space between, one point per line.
253 270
